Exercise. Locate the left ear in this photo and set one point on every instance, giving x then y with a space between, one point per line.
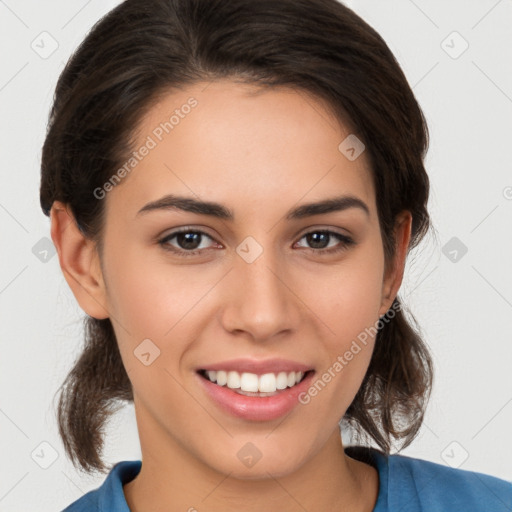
395 269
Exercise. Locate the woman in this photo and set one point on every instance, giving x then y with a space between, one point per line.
233 189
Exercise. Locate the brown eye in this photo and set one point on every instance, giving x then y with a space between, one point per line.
188 242
319 240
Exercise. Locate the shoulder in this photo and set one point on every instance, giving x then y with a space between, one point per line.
435 487
109 496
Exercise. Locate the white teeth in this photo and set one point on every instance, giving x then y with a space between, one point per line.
266 383
249 382
233 380
222 378
282 380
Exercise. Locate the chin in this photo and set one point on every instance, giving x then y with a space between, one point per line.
273 465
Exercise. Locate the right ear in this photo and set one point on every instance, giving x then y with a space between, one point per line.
79 261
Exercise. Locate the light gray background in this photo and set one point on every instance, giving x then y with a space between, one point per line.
462 301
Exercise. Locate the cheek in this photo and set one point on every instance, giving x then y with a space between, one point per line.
349 298
348 304
152 310
152 300
148 297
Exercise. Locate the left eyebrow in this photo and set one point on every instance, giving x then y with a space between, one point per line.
327 206
189 204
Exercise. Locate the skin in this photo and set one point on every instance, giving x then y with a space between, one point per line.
259 153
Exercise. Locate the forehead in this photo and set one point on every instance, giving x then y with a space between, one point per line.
244 146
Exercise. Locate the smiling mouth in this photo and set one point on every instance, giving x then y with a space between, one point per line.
251 384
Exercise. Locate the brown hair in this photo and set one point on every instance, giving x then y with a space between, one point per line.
141 50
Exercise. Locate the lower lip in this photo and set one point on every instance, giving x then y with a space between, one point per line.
252 407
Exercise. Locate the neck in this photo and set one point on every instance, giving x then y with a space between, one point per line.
172 479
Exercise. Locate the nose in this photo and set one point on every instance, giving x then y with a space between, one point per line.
260 299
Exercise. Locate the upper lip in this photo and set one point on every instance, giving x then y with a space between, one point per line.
258 367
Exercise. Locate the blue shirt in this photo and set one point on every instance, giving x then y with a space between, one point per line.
406 484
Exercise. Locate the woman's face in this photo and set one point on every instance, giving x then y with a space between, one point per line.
257 278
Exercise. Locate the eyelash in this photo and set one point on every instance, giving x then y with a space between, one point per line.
345 242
